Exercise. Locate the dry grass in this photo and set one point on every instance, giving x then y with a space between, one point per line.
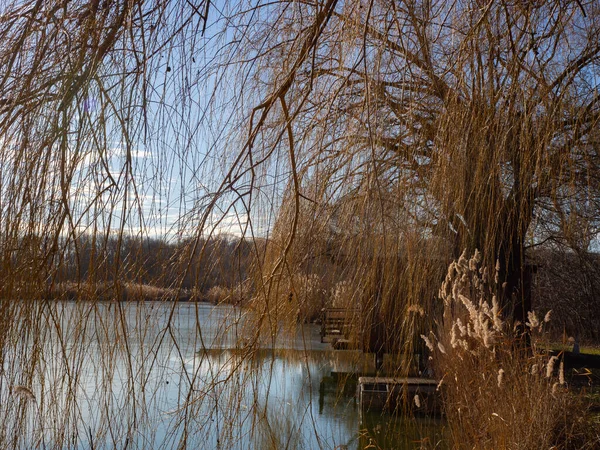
239 295
115 291
499 392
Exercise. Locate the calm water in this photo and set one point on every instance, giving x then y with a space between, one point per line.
158 375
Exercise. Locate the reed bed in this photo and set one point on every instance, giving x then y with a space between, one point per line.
500 386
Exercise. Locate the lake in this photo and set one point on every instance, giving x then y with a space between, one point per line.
187 375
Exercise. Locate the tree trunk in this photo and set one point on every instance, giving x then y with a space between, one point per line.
515 274
515 282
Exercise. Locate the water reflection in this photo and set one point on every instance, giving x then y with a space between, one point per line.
158 375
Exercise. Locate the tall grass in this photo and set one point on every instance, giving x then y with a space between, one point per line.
501 390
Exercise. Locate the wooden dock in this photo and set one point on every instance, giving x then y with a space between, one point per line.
393 394
577 360
339 326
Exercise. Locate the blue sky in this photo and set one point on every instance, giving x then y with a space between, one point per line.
177 153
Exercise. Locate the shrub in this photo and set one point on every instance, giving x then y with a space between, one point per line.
217 294
237 295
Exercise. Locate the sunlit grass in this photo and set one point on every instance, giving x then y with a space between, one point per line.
584 349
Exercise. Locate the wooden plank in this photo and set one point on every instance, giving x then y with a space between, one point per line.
391 393
396 380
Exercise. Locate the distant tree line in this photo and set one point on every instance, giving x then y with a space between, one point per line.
190 265
568 283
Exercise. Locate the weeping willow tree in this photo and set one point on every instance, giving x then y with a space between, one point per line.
412 131
366 142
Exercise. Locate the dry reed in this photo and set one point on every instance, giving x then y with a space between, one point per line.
500 391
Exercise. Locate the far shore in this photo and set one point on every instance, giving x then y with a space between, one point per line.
127 291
